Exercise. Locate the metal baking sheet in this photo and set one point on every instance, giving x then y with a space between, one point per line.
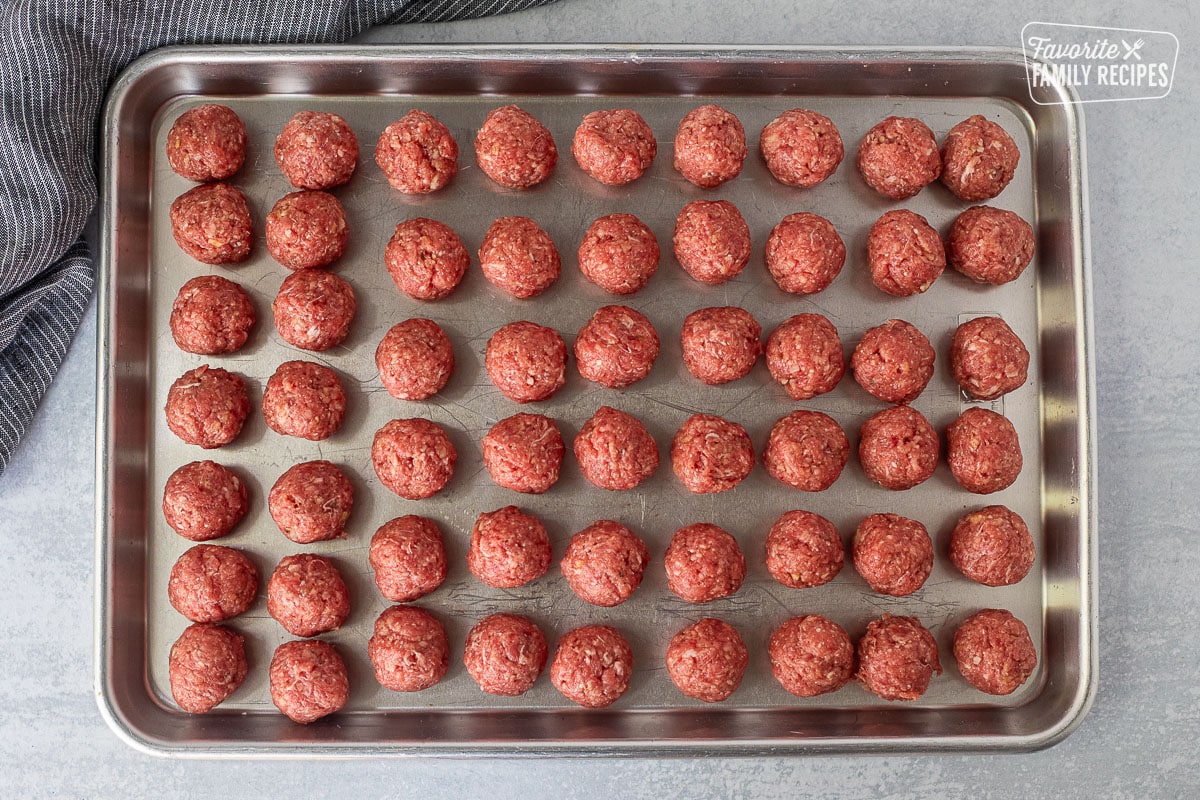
143 269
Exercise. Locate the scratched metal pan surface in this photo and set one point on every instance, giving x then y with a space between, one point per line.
142 270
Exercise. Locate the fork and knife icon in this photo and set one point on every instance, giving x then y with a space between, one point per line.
1132 49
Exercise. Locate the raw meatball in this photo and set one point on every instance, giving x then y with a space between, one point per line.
307 596
304 399
706 660
524 453
211 316
711 241
804 550
425 258
408 557
801 147
415 359
519 258
306 230
710 454
211 583
615 451
592 666
988 360
720 344
904 253
207 143
514 149
893 361
804 354
899 157
505 654
204 500
509 548
804 253
704 563
897 658
207 406
617 347
417 154
990 245
316 150
898 448
206 665
983 451
994 652
710 146
408 649
811 655
308 680
807 450
619 253
314 309
893 554
311 502
614 146
604 563
413 457
211 223
992 546
979 158
526 362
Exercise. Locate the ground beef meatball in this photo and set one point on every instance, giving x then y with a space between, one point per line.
207 406
505 654
211 583
308 680
704 563
204 500
304 399
211 223
706 660
617 347
899 157
811 655
897 658
988 360
526 362
804 354
307 596
307 230
614 146
893 554
804 550
898 448
619 253
207 143
801 147
524 453
804 253
720 344
509 548
207 664
413 458
211 316
807 450
893 362
994 652
316 150
615 451
311 502
514 149
415 359
425 258
992 546
592 666
990 245
519 258
604 563
710 146
417 154
314 309
904 253
408 557
408 649
711 241
710 454
983 451
979 158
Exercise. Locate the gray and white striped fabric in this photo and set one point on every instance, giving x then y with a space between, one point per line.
57 58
